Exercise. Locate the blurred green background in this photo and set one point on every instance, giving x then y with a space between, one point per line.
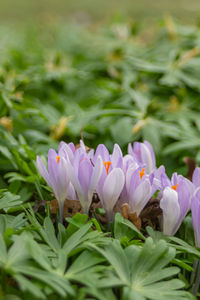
96 11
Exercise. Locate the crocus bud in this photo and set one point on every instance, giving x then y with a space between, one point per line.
56 177
171 210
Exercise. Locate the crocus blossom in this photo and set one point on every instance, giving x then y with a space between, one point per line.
144 154
109 189
114 160
56 177
112 178
175 201
195 208
133 178
84 176
139 187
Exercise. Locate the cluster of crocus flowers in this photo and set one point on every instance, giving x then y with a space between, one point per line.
75 173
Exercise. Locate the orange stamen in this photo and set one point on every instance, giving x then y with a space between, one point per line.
107 165
142 173
58 158
174 187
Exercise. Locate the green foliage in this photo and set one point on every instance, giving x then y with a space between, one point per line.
119 85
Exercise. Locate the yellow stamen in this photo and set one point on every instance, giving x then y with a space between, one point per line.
142 173
58 158
174 187
107 165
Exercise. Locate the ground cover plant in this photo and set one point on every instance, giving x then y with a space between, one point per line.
129 228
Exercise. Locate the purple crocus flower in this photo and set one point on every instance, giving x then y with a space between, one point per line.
144 154
175 201
84 177
195 208
56 177
114 160
109 188
139 188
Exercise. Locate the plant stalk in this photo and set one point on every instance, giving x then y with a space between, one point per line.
195 287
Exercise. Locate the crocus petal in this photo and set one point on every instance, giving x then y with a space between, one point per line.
152 153
140 196
130 149
82 145
71 193
103 152
116 157
195 208
144 155
132 180
96 174
43 171
175 179
52 166
65 150
165 180
184 195
112 188
171 210
196 177
84 174
73 178
91 154
62 181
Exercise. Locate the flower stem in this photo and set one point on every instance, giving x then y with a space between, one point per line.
195 287
61 211
109 215
195 265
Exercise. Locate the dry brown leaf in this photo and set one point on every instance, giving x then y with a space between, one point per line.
126 213
71 207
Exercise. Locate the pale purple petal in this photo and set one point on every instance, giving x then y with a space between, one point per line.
112 188
71 193
66 151
91 154
195 208
133 182
43 171
116 157
196 177
103 152
152 153
127 161
84 174
175 179
130 150
144 155
165 181
82 145
141 195
74 178
146 158
184 195
96 174
171 210
62 180
52 167
72 147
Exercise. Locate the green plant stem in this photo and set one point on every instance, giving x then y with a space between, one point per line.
195 287
195 265
61 211
109 216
